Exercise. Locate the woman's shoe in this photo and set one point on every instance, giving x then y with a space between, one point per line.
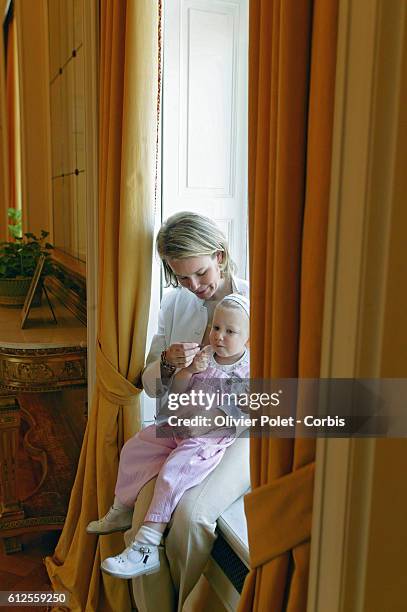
135 560
116 519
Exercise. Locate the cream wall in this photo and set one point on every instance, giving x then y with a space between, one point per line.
3 138
36 170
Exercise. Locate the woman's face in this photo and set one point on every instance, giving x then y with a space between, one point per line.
200 275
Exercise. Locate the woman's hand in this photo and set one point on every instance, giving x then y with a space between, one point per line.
201 360
181 354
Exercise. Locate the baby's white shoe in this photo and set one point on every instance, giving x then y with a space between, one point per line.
136 560
116 519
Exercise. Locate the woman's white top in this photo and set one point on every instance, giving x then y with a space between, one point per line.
183 317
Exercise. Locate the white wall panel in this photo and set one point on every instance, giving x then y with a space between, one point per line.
205 114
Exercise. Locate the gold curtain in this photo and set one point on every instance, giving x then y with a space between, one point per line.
291 96
128 134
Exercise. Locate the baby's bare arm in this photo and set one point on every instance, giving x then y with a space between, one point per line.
181 381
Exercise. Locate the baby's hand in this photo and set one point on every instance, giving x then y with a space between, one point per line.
201 360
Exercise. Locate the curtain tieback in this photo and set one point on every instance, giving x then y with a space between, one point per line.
112 385
279 514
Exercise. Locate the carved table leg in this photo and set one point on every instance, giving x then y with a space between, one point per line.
12 545
10 507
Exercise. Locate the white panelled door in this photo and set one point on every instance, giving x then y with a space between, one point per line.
205 48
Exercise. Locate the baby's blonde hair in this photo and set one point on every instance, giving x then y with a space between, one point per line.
231 304
187 234
236 300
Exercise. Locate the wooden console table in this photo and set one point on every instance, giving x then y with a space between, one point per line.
42 357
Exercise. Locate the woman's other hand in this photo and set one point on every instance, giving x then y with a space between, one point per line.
201 360
181 354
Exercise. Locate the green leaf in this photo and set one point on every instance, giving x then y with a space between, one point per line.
14 231
19 257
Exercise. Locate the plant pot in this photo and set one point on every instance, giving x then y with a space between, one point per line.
13 292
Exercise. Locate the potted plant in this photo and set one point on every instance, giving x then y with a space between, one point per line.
18 260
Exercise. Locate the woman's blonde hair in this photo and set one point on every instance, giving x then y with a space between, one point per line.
187 234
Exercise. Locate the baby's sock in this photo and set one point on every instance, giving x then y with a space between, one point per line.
118 504
147 535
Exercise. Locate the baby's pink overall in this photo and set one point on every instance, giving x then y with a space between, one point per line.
179 463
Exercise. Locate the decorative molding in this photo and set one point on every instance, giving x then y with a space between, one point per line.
35 370
9 527
36 352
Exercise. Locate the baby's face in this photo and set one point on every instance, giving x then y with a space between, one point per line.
230 331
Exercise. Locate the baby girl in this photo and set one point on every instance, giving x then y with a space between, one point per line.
178 463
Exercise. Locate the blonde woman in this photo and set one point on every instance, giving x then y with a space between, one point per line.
197 263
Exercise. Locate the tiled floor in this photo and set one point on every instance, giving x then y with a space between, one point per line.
25 571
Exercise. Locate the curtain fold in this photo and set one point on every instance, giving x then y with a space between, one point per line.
292 55
129 65
291 510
